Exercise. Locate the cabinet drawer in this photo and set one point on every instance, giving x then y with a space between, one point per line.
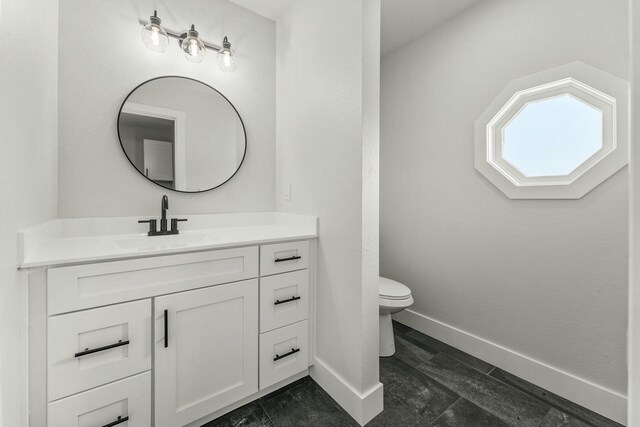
283 257
284 299
102 406
92 285
94 347
283 353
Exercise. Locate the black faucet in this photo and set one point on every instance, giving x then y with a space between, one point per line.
164 207
153 231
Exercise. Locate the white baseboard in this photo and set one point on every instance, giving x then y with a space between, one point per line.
362 407
599 399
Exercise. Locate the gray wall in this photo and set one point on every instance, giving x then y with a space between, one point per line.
547 279
95 178
28 174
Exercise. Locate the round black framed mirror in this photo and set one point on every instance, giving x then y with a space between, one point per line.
182 134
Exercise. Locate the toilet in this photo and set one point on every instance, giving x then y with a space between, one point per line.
392 298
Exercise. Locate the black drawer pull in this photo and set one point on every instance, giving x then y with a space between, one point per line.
291 258
293 351
106 347
120 420
278 302
166 328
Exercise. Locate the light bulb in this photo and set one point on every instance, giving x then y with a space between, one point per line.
193 47
227 60
154 36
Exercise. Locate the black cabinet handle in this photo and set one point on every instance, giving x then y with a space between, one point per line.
292 258
278 302
293 351
120 420
106 347
166 328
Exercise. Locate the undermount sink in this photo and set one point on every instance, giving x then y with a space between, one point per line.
170 241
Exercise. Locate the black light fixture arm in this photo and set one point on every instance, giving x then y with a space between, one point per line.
181 36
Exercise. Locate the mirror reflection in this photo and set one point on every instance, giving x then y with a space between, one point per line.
182 134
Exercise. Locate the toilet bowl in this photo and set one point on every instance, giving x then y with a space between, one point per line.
392 298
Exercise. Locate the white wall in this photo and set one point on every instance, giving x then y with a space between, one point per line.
95 177
547 279
28 173
327 87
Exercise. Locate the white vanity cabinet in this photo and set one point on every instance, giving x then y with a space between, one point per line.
170 340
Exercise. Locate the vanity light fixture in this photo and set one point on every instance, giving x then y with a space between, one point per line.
153 35
192 46
226 57
156 38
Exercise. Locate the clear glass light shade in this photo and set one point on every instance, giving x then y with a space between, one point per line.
154 36
227 60
193 47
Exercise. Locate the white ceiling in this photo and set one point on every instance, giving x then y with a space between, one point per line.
402 20
271 9
406 20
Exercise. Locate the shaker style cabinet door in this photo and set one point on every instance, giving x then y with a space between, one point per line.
206 351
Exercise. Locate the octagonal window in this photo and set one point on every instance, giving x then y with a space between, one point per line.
556 134
553 136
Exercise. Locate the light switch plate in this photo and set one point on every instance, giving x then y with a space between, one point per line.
287 191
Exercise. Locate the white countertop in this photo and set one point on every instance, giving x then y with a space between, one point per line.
72 241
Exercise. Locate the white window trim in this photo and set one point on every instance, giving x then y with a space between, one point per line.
601 90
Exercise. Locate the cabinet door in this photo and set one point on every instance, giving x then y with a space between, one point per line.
206 351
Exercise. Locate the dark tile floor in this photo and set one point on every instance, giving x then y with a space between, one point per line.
426 383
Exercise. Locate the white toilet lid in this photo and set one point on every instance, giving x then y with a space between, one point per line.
390 289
